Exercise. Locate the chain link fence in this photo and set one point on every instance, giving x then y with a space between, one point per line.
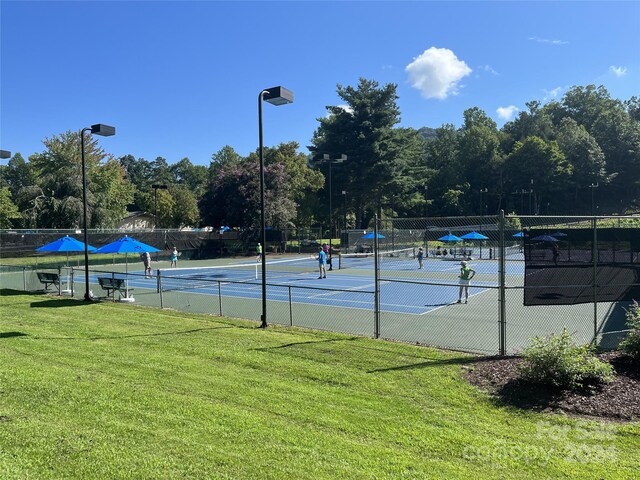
532 276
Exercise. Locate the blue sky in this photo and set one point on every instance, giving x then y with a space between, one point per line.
181 79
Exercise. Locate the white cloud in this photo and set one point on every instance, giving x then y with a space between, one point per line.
436 73
548 41
618 71
551 94
488 69
507 113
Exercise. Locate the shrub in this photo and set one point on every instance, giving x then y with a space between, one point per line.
558 362
631 344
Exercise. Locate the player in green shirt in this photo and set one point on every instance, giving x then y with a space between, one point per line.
466 274
258 252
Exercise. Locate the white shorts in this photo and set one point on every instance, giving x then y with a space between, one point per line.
464 282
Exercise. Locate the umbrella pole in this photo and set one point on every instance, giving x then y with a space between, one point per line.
126 275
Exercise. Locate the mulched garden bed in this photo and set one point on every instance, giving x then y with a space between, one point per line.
616 401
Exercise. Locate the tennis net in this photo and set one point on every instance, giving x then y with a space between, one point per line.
202 277
365 260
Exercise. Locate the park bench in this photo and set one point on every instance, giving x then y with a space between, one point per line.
112 285
49 278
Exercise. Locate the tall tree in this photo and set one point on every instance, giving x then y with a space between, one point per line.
193 177
584 154
17 174
185 211
363 131
8 210
58 171
234 196
539 166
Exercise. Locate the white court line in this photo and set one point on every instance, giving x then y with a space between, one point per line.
344 290
454 303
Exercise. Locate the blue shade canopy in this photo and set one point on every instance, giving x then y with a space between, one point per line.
559 234
450 238
127 245
545 238
519 234
65 244
474 236
371 235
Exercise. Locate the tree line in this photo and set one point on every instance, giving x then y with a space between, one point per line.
578 155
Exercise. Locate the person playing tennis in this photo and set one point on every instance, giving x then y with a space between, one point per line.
174 257
322 263
466 274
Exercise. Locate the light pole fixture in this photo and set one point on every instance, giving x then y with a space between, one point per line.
327 158
275 96
5 154
156 187
105 131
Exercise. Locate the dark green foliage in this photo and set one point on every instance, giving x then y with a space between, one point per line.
557 362
631 344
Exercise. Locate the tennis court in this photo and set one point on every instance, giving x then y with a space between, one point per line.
415 305
404 288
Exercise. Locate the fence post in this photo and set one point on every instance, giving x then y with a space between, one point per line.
24 277
159 283
502 335
595 279
376 289
72 281
290 309
220 296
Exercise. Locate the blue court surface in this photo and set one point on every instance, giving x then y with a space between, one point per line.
403 287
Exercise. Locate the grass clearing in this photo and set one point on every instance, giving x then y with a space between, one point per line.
110 390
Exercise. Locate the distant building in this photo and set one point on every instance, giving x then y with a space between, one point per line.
136 221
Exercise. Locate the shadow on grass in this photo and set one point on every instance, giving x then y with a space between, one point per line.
294 344
119 337
437 362
60 302
7 292
12 334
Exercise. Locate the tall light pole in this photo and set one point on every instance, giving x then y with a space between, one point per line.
346 233
593 186
530 192
5 154
482 190
426 222
105 131
156 187
327 158
275 96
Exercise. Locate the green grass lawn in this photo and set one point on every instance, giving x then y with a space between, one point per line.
110 390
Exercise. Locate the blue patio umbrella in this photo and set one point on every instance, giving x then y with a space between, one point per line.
371 235
126 245
450 238
65 244
545 238
474 236
519 234
559 234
